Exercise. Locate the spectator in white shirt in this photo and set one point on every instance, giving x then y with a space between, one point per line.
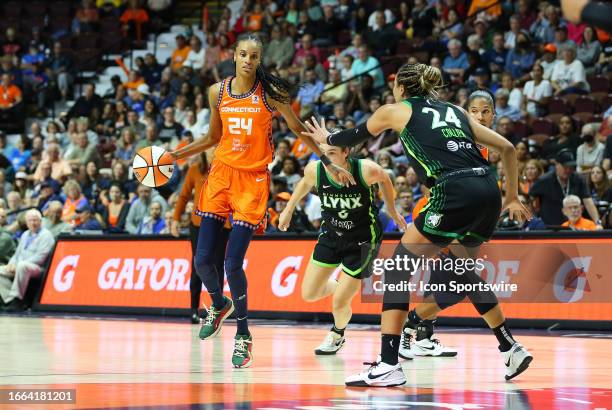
591 151
549 59
536 92
196 57
568 75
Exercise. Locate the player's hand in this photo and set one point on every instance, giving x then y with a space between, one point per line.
516 210
399 220
572 9
174 228
284 220
317 131
340 175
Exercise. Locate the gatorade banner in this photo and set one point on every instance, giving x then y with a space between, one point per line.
131 273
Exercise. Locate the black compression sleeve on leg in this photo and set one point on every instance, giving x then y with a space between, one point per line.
349 138
397 299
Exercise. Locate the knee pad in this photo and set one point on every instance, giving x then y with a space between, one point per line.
483 301
203 258
398 299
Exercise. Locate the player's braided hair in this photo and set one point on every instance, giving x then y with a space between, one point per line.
275 87
419 80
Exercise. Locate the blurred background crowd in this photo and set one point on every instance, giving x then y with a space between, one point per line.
86 84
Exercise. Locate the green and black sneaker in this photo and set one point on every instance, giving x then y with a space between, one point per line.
243 355
214 319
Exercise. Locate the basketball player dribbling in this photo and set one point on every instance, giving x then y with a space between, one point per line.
238 181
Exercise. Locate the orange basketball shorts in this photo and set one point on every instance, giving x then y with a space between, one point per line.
227 190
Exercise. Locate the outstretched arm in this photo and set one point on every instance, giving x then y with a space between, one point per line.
389 116
212 137
301 190
375 174
293 122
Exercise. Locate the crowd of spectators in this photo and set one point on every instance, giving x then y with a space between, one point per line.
74 168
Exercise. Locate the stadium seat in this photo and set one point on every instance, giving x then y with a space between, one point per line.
111 42
60 23
12 10
345 37
570 99
554 118
581 118
404 47
109 24
421 56
60 9
538 139
599 83
84 41
600 97
543 126
585 104
521 129
557 106
36 8
87 60
606 102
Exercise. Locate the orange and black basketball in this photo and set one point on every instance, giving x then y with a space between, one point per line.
153 166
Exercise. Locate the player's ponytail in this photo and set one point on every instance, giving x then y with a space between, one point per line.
275 87
419 80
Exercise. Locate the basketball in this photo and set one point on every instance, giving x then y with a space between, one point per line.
153 166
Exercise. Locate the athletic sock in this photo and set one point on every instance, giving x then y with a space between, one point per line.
242 326
338 331
504 337
413 319
389 349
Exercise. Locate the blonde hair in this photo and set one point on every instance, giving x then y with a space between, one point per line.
419 80
71 183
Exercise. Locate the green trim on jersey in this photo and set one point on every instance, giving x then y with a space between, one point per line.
318 181
408 103
361 178
331 180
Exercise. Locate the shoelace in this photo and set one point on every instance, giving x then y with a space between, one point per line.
371 364
240 347
406 340
211 315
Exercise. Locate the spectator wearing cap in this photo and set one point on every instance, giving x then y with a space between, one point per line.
87 219
572 209
536 92
456 62
568 75
520 59
53 219
60 168
22 185
591 152
153 223
502 108
561 41
554 186
27 262
549 60
44 194
180 53
196 58
86 103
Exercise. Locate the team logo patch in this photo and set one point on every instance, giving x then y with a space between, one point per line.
433 219
255 99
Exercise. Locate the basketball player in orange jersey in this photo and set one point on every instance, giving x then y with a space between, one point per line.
238 181
421 319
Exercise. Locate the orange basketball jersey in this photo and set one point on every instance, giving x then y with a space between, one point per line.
246 143
484 151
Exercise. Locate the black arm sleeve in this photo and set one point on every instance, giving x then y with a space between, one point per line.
349 138
598 14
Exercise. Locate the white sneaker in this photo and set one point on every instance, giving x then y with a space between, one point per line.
405 351
331 344
431 347
517 360
379 374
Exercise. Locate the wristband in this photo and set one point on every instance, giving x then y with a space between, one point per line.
349 138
